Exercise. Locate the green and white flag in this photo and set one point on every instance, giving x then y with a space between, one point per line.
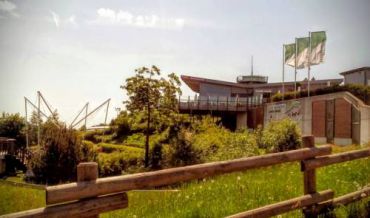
303 45
318 41
289 55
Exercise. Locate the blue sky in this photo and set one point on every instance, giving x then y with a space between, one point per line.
79 51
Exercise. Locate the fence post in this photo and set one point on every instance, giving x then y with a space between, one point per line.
87 171
309 178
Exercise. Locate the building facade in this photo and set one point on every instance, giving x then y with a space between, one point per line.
359 76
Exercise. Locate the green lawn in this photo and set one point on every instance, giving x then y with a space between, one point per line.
219 196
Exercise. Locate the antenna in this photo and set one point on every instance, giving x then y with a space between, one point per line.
252 65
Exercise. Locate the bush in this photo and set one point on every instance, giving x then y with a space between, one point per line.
360 91
117 162
156 156
182 152
60 152
121 126
11 126
281 135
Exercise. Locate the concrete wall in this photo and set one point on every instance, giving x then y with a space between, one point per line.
300 110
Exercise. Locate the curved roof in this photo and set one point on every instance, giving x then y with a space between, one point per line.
194 83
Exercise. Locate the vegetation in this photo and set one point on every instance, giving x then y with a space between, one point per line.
360 91
154 97
12 126
61 150
280 136
236 192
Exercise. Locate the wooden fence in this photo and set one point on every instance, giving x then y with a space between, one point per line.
90 196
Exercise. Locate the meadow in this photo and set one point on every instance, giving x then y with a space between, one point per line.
222 195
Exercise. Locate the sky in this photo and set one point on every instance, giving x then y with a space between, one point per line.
82 51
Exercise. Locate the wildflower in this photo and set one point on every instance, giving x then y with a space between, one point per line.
238 178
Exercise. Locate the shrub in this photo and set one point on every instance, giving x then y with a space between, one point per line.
121 126
360 91
156 156
181 151
117 162
281 135
92 136
57 159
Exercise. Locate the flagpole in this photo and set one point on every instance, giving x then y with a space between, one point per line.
309 64
283 71
295 69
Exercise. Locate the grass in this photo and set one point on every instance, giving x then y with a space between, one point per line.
230 194
222 195
13 199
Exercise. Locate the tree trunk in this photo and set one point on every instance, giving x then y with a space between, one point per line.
147 139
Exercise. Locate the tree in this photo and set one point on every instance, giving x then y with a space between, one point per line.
154 96
12 126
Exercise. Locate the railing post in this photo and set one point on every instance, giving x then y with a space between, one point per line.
309 179
87 171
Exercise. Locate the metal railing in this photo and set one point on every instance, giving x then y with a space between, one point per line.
220 103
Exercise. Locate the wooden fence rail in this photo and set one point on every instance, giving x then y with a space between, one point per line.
90 195
109 185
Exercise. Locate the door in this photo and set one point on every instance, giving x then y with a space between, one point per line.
356 117
330 111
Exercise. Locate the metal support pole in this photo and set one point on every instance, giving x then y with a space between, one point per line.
25 107
309 65
295 69
87 106
38 118
106 113
283 89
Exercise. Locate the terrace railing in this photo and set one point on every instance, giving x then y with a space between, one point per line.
90 196
220 103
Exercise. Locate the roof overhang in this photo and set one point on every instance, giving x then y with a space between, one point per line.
354 70
194 83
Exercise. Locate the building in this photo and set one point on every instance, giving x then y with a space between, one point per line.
357 76
240 103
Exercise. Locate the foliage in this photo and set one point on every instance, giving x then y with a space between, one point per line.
98 135
61 150
12 126
281 135
114 163
156 156
360 91
121 126
109 148
221 196
181 150
155 97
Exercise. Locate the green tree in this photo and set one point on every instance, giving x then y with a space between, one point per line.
12 126
154 96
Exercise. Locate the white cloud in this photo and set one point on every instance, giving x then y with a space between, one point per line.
55 18
58 21
112 17
9 7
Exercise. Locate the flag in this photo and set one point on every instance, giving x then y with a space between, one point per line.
318 41
303 45
289 54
